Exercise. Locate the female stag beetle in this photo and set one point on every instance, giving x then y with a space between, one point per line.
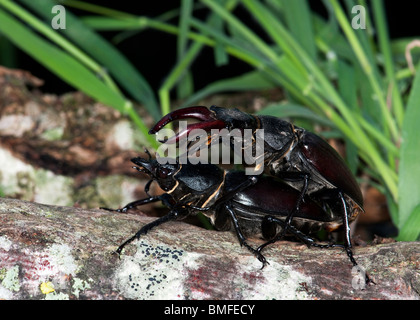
232 200
300 158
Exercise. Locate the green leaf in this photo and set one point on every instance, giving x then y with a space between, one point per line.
121 69
347 89
68 68
59 62
410 231
253 80
409 169
302 30
291 110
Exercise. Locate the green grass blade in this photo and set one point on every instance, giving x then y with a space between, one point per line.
59 62
348 90
385 48
65 66
251 36
185 85
61 41
367 66
409 169
299 21
121 69
253 80
291 110
410 230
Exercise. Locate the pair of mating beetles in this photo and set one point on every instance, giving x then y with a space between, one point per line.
307 185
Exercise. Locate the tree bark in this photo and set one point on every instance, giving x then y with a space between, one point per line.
52 252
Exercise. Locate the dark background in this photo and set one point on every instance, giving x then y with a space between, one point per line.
153 53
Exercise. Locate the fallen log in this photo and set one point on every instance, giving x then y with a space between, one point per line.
53 252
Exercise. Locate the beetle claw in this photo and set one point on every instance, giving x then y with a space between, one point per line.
263 260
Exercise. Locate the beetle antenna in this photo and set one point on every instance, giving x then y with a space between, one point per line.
148 153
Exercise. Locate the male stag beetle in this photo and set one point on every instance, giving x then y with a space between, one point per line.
300 158
249 205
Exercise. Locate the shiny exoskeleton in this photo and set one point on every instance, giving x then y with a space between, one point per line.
232 200
300 158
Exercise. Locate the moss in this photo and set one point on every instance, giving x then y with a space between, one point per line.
3 272
53 134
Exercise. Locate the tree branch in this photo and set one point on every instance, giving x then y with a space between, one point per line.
65 252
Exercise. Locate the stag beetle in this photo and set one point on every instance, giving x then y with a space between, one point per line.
300 158
232 200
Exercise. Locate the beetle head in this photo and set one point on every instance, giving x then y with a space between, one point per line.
159 170
234 118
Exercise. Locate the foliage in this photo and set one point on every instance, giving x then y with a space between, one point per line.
354 81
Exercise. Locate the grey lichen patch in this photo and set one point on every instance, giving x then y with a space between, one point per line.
242 278
163 272
5 243
53 189
20 180
152 273
79 285
283 282
121 135
61 257
17 177
57 296
11 279
111 196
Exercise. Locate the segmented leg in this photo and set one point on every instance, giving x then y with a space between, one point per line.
134 204
172 215
348 245
310 242
241 237
166 200
297 206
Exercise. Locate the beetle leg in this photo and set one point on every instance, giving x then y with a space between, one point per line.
241 237
348 245
147 187
294 177
172 215
176 211
310 242
133 204
297 206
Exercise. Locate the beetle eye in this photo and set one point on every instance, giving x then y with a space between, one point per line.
163 173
